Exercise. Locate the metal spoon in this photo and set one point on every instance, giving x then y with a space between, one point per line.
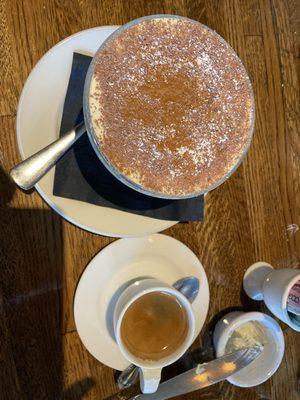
189 287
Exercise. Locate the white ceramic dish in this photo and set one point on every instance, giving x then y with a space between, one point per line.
112 270
267 363
38 121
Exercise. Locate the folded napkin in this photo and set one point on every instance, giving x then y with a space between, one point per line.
80 175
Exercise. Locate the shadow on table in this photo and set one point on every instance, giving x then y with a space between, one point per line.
78 390
31 267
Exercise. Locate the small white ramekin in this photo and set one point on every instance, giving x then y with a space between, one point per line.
266 364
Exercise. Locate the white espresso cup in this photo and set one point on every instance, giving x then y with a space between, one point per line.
150 371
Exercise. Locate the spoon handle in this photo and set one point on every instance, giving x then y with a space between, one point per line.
30 171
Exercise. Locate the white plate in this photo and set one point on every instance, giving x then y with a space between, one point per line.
38 122
112 269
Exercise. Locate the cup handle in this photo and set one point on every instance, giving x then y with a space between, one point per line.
149 379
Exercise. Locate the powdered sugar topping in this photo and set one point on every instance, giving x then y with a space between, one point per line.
171 104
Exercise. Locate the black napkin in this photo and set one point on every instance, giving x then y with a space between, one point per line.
80 175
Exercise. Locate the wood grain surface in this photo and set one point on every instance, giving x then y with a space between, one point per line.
247 219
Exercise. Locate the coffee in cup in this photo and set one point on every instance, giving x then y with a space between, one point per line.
154 326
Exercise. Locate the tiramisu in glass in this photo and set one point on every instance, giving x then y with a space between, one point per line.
171 105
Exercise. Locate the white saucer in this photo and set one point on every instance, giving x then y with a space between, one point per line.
38 121
110 272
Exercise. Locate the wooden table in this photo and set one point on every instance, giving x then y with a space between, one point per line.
253 216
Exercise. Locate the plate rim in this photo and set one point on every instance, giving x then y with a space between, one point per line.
165 224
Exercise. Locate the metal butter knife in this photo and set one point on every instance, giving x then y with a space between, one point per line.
204 374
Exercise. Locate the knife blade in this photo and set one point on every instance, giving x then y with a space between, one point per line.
204 374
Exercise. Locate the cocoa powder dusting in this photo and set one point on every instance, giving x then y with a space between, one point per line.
171 105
